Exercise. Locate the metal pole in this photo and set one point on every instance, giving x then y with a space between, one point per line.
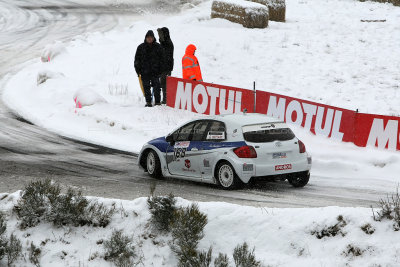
255 96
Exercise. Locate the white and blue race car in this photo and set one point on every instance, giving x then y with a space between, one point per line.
229 150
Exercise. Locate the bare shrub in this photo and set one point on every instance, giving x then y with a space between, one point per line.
119 249
204 258
34 254
34 202
3 239
352 251
13 249
162 211
42 201
221 261
368 229
330 231
245 258
389 210
187 230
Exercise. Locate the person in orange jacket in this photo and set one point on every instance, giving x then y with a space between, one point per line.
190 65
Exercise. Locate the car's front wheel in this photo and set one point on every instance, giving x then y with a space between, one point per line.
153 164
299 179
226 176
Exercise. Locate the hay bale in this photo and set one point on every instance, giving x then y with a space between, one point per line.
250 15
394 2
276 8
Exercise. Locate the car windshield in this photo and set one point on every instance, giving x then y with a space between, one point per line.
267 132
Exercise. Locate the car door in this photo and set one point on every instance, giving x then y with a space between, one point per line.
183 155
213 143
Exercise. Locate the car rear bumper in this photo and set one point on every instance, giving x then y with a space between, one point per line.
283 167
247 168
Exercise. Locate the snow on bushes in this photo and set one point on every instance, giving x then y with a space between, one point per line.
42 201
282 237
250 15
51 51
44 75
87 97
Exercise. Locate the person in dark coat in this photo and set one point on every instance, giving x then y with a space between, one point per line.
168 46
149 62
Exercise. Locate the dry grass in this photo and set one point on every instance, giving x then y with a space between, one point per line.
249 18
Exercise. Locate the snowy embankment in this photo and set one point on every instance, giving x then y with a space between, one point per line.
323 53
281 237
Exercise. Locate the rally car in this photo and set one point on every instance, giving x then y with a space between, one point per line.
229 151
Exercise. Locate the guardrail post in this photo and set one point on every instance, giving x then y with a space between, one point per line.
255 96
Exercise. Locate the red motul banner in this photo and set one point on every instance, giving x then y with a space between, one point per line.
341 124
207 98
320 119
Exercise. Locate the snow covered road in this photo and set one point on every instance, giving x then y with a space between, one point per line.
28 151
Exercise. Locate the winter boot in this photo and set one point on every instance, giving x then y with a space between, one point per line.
157 104
164 102
148 104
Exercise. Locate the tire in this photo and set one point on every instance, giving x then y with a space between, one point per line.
226 177
153 164
299 179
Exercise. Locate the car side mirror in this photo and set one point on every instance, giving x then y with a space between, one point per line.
169 139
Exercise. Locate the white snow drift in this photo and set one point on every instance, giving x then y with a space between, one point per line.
281 237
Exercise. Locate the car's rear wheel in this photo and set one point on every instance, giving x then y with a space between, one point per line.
226 176
299 179
153 164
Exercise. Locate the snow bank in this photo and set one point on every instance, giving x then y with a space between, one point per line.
87 97
281 237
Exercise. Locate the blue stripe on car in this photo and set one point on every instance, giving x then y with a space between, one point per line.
162 145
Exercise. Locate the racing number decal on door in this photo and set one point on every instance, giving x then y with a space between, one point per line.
179 153
180 150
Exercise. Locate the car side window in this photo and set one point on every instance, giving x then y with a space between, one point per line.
199 130
186 132
216 131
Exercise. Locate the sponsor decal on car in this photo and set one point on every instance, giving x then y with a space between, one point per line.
187 163
247 167
184 144
283 167
206 163
279 155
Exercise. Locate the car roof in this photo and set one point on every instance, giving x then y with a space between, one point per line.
245 119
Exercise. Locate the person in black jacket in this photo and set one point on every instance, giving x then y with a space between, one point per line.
149 62
168 46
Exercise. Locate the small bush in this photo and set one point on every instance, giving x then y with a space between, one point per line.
99 215
333 230
204 258
243 257
13 249
162 211
119 249
187 230
34 202
43 201
368 229
3 239
389 210
34 254
68 209
221 261
352 251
